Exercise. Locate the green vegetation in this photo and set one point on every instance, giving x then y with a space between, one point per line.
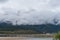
29 29
18 32
57 36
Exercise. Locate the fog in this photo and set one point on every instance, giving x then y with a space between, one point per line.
30 11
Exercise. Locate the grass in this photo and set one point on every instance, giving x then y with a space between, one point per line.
18 32
57 36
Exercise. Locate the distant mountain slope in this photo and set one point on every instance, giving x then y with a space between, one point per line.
43 28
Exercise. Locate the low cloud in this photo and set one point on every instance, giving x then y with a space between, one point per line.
30 11
2 1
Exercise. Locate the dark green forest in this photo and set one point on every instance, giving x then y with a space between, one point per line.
43 28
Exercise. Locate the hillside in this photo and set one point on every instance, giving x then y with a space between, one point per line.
43 28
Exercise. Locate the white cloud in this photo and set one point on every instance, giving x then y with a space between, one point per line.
1 1
31 11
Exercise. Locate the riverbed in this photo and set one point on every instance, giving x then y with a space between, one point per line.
23 38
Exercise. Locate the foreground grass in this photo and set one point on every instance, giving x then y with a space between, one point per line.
26 35
19 32
57 36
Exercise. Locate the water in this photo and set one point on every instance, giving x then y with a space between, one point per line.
38 39
23 38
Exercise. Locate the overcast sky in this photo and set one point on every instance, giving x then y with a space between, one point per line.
29 11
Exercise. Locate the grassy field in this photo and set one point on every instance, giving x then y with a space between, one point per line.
12 38
26 35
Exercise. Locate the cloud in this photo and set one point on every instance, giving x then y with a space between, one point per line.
30 11
2 1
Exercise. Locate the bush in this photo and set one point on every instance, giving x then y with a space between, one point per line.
57 36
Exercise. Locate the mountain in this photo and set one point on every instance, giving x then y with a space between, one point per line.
43 28
32 20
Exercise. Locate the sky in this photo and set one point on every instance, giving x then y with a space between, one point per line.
33 12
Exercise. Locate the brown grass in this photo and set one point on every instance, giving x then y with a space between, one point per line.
12 38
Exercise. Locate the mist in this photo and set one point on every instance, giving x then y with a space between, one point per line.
32 12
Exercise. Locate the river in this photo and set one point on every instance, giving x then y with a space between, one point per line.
23 38
39 39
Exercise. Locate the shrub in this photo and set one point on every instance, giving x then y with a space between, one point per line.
57 36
